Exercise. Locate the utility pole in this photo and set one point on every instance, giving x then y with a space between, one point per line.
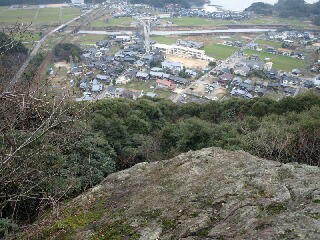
147 29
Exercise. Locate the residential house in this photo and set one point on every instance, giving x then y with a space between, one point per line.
243 71
247 87
254 57
174 66
179 80
191 73
142 76
317 83
236 81
226 77
84 85
111 91
189 44
165 84
156 69
131 94
248 96
102 78
308 84
237 92
84 98
151 95
96 87
289 90
295 71
261 91
274 86
156 74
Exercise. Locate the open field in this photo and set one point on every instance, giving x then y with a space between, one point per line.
3 9
279 62
126 21
187 62
269 43
219 51
88 39
196 21
45 16
70 13
273 20
48 16
145 86
113 22
21 15
165 40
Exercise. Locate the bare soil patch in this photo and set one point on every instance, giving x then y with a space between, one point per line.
61 64
187 62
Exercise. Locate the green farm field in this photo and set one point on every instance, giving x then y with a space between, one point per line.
9 16
42 16
70 13
219 51
164 40
279 62
113 22
269 43
48 16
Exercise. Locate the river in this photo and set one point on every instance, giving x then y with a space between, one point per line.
239 5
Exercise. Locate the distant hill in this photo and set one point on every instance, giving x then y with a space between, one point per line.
286 8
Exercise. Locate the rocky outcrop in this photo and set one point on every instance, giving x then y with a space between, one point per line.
206 194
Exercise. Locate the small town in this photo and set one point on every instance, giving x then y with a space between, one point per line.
142 64
159 119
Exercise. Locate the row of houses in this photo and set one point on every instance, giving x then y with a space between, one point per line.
213 15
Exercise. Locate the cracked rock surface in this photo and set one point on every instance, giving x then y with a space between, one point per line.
205 194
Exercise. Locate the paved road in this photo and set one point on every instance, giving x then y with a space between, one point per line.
18 75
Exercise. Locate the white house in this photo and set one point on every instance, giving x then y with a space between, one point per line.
175 66
243 71
77 2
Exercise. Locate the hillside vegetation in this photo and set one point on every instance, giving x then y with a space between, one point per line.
53 150
288 9
13 53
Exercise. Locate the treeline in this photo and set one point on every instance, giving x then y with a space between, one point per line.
63 52
83 143
288 8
